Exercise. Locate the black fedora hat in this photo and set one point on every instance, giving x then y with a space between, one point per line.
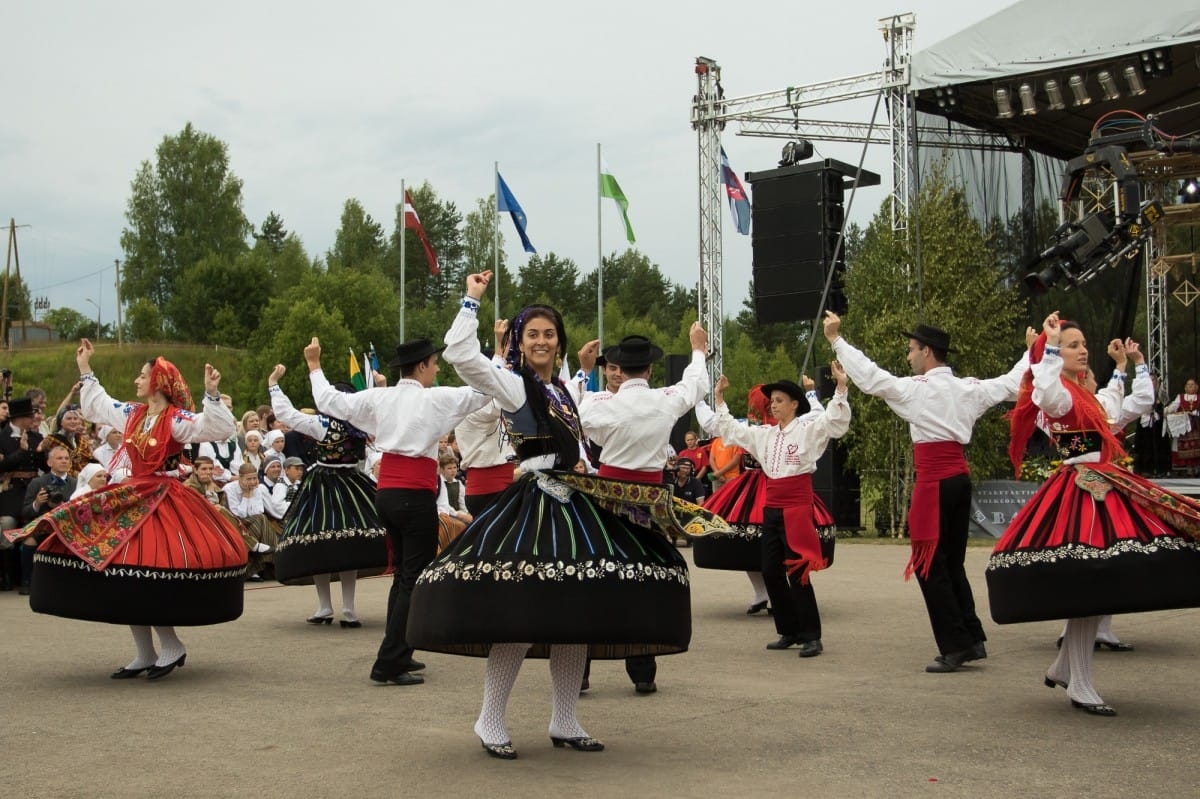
792 390
931 337
633 351
414 351
20 408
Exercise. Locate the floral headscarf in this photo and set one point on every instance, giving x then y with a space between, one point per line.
165 377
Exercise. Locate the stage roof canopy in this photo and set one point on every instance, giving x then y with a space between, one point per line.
1066 42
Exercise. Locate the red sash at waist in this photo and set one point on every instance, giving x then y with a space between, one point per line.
405 471
934 462
631 475
794 496
489 479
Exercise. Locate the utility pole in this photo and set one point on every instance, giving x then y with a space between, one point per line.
12 259
117 264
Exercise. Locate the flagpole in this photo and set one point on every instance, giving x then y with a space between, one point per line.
496 240
403 236
599 258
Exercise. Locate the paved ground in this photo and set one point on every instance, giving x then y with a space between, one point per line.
268 706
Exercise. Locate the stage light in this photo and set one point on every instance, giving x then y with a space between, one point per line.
1028 106
1004 108
1079 89
947 97
796 151
1109 84
1136 87
1156 63
1189 192
1054 96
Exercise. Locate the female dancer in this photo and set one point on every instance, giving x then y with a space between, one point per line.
147 551
331 526
545 570
1095 538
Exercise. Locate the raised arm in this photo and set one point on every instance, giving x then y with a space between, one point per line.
463 352
285 412
869 377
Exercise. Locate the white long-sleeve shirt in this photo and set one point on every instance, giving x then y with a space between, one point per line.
937 405
792 449
633 424
244 505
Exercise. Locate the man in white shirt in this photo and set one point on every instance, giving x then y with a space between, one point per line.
941 411
407 420
247 499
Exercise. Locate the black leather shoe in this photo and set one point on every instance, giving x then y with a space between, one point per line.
784 642
320 620
412 665
581 744
645 687
944 664
128 674
810 649
757 607
503 751
1111 647
1095 710
351 623
977 651
155 672
400 678
23 590
586 684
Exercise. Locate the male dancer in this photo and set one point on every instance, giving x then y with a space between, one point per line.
633 427
941 411
407 420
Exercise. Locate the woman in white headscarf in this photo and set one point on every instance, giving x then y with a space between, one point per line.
91 477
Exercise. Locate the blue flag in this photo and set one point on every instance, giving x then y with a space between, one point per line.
739 206
505 201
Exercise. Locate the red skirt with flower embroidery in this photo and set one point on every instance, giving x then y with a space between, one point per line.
1096 539
146 551
740 502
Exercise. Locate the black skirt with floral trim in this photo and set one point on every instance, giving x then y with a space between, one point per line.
551 562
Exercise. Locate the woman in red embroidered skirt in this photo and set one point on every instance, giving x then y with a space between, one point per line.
1095 538
1185 446
147 551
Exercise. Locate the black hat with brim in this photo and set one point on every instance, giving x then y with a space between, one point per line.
633 351
792 390
20 408
414 351
931 337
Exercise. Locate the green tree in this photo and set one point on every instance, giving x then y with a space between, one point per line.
185 207
554 280
144 321
961 289
359 243
70 323
271 234
441 222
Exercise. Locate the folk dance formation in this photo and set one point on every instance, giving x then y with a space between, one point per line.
566 505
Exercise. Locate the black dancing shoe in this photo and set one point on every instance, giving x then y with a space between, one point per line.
399 678
810 649
1095 710
157 672
128 674
757 607
503 751
646 687
1050 682
951 661
581 744
320 620
350 623
784 642
1113 647
977 651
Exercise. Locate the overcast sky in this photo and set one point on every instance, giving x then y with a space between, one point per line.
320 102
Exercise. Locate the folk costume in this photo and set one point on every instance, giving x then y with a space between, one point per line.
514 582
330 527
941 411
407 420
146 551
487 457
1095 538
1183 422
791 548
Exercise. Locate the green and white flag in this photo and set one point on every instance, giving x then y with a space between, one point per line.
611 189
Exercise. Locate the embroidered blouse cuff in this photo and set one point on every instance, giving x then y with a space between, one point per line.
581 376
212 397
274 388
87 376
470 304
1052 350
1118 375
1141 369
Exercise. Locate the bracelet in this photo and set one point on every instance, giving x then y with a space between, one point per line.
1051 350
470 303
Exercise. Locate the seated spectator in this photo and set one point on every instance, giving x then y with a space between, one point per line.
284 490
43 494
226 458
247 499
687 487
272 469
453 517
274 440
110 442
252 450
69 432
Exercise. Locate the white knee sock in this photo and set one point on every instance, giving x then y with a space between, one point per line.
348 580
567 662
503 664
144 641
1080 643
760 587
324 602
172 647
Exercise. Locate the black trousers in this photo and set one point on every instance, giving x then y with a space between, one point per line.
410 516
794 605
948 598
640 668
478 503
